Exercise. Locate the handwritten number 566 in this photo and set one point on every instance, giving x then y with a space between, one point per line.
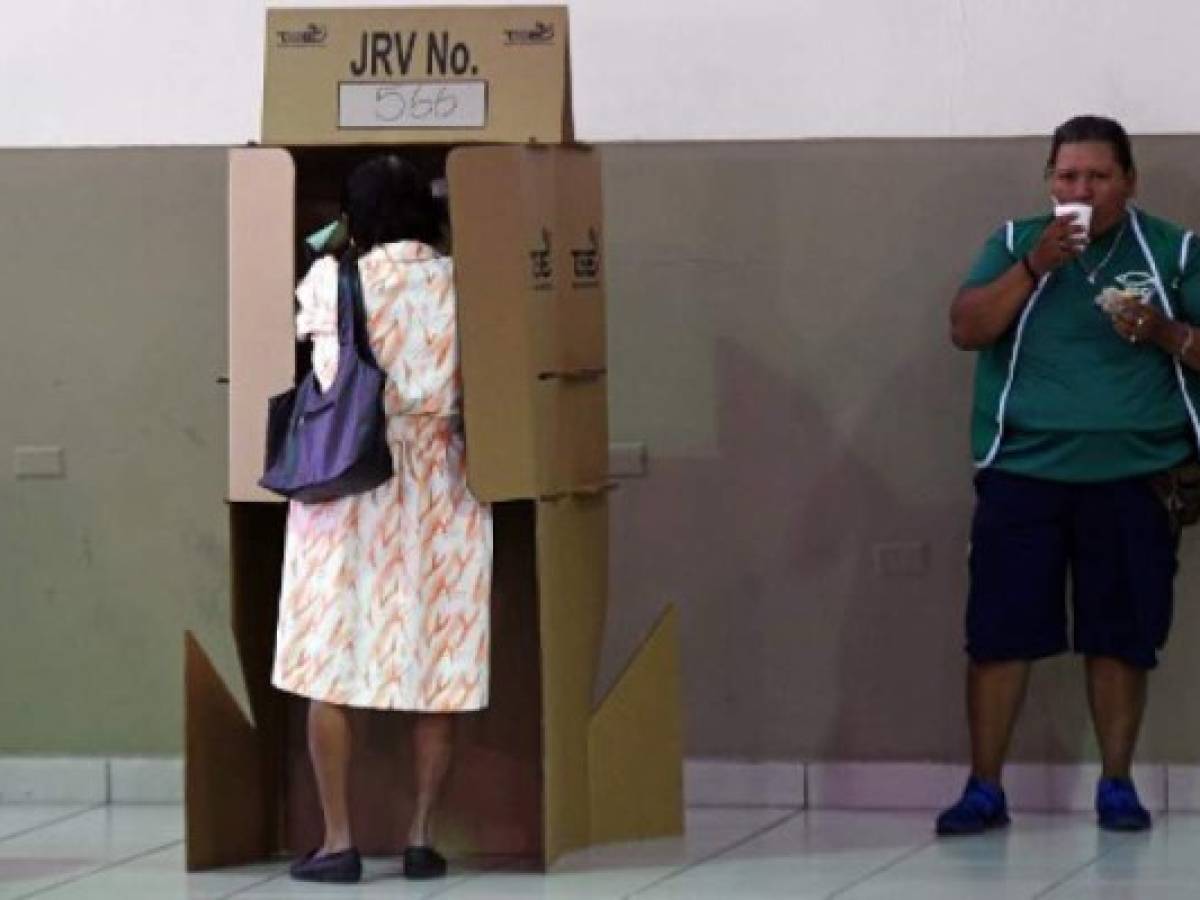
416 104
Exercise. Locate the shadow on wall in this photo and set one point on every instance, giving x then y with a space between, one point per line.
796 644
792 641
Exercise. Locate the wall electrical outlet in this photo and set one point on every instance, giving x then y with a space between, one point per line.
901 558
39 462
627 460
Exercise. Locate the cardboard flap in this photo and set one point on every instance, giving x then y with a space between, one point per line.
416 75
228 821
635 751
262 357
531 332
494 328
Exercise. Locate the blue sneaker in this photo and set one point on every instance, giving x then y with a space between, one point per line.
1118 807
981 808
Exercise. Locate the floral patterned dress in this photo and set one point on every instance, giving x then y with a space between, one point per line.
385 596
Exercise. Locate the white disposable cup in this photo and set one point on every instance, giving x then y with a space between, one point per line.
1082 213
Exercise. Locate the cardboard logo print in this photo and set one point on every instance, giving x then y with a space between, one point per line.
542 268
541 33
312 36
587 262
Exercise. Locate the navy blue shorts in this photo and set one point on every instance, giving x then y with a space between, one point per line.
1111 539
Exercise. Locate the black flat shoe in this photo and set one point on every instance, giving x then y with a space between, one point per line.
423 863
344 867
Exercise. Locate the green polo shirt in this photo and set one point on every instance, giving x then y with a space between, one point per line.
1085 404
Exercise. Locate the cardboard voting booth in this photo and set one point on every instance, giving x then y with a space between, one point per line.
484 94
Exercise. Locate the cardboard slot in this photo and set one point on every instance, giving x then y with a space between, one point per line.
584 492
574 374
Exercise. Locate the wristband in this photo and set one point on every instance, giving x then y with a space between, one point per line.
1029 268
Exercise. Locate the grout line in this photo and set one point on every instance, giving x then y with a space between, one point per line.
717 853
257 884
879 870
791 807
468 877
63 818
107 867
1121 841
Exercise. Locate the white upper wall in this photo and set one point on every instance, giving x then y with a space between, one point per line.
126 72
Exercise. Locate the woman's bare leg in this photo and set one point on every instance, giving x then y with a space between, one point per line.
433 747
329 747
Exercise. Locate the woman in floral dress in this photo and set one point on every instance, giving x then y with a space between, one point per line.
385 595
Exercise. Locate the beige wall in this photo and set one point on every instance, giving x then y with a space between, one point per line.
778 339
113 277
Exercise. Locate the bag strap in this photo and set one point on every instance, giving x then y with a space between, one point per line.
352 314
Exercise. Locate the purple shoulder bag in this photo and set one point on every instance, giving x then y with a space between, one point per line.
326 445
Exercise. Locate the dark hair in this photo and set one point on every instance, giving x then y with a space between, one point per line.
1093 128
387 199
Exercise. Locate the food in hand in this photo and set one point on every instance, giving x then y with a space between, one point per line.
1112 299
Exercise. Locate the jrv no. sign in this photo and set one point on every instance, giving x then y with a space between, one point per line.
393 53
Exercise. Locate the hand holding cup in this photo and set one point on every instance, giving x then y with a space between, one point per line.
1060 242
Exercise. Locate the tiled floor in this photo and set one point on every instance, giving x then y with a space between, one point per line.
136 853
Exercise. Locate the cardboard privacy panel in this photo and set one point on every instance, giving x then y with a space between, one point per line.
411 75
531 331
261 329
572 542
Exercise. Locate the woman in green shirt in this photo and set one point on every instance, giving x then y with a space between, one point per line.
1084 391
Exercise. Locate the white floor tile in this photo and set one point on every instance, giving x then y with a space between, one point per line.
160 876
1031 857
74 847
618 870
1138 891
136 853
17 818
1166 858
810 855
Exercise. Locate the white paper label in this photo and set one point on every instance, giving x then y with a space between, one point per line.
412 104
